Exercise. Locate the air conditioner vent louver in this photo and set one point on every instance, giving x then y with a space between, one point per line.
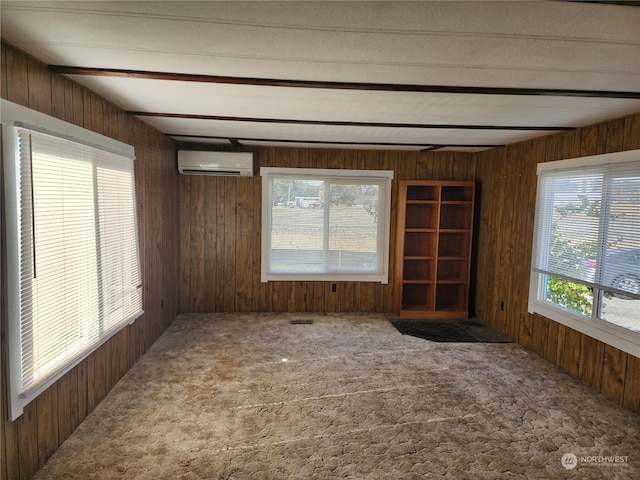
234 164
189 171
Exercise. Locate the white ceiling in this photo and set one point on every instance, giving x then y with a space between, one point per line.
410 75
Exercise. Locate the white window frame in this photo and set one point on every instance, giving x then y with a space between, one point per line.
384 217
15 117
607 332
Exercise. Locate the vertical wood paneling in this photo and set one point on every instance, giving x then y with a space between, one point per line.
498 238
613 141
39 87
296 296
83 389
15 66
631 396
552 345
230 239
27 428
570 145
224 222
221 283
500 307
4 92
504 249
9 446
424 166
279 296
74 407
589 140
259 288
524 224
393 161
630 136
91 382
571 351
47 421
100 373
243 251
539 334
591 361
205 298
112 362
58 106
614 371
560 341
64 408
510 214
185 239
199 259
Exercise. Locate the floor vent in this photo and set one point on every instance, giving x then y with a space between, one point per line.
301 322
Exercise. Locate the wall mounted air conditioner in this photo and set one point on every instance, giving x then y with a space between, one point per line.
194 162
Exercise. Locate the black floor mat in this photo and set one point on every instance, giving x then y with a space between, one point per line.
448 331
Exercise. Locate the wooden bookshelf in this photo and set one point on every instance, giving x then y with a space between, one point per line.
433 259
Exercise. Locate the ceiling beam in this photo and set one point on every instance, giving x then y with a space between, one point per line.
439 126
388 87
425 146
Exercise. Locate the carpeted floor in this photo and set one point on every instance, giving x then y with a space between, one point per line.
336 396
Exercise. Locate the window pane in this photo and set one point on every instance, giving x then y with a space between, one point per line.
622 312
119 269
575 205
570 295
64 285
353 227
297 226
621 261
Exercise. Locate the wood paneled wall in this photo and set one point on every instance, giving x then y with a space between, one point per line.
28 442
507 180
220 225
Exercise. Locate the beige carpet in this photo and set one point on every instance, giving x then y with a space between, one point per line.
239 396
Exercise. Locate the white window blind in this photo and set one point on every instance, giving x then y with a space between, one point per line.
591 227
79 271
321 224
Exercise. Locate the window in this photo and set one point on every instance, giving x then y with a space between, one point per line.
586 252
72 250
324 224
